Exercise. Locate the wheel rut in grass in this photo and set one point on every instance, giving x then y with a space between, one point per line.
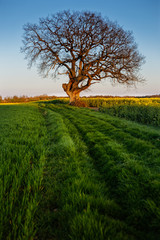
131 183
75 202
140 131
136 148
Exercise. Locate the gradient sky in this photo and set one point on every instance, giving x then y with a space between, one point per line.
140 16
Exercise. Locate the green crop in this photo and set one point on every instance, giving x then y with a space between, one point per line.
74 173
125 158
22 156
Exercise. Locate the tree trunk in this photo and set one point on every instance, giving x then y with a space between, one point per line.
73 97
72 93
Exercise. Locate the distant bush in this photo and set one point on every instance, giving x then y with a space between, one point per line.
79 103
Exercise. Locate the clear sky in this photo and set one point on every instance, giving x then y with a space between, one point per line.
140 16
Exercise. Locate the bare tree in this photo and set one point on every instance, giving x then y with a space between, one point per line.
85 47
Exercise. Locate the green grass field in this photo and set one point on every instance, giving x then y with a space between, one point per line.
79 174
22 157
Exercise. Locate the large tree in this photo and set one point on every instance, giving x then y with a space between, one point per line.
85 47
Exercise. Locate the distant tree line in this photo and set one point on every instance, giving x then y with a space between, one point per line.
16 99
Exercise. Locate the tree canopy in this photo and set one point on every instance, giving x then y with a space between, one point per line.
84 46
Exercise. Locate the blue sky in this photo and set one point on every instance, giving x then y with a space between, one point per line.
140 16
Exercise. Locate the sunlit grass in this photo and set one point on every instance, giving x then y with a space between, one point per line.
1 104
22 156
129 166
74 173
75 198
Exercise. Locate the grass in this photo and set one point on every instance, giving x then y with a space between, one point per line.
76 173
22 156
128 164
80 207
